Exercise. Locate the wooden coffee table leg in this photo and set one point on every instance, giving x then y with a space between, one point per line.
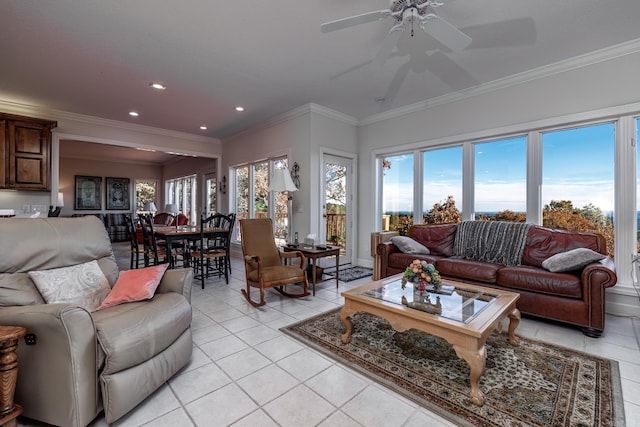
514 321
476 361
345 316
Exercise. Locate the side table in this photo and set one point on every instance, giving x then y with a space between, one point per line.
9 411
313 253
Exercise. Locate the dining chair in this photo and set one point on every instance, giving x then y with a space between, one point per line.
211 253
232 223
152 250
263 261
137 250
164 218
54 212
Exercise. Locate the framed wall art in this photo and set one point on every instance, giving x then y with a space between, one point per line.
118 193
88 193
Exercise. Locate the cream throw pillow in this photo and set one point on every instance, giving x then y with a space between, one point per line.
83 284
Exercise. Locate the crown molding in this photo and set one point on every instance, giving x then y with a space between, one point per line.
32 110
292 114
333 114
574 63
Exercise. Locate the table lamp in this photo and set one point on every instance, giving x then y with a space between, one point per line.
281 181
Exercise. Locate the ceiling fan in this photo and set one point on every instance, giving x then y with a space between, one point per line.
406 13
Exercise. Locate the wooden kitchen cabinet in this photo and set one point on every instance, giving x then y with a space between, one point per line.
25 152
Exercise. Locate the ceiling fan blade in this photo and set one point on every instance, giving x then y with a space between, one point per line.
389 42
354 20
445 32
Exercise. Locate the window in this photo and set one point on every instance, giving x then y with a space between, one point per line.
500 183
242 192
260 180
577 179
182 192
253 200
146 191
212 194
442 185
637 123
397 192
281 208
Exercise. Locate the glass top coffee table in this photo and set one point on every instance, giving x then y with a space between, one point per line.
464 318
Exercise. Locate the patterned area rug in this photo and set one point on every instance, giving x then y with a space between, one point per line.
535 384
351 273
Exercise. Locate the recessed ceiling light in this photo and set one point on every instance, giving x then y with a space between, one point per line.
158 86
133 114
203 128
238 108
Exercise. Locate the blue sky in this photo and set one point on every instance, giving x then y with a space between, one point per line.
578 165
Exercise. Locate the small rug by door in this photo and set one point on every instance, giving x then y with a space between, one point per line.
351 273
534 384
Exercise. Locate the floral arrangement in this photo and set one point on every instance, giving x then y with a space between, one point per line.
423 275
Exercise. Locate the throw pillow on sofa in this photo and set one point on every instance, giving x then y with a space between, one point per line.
409 245
571 260
135 285
82 284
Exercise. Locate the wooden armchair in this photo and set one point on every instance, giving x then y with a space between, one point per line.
263 261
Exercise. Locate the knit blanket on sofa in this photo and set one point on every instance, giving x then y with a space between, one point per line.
491 241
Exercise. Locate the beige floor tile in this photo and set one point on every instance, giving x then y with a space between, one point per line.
222 407
267 383
194 384
299 407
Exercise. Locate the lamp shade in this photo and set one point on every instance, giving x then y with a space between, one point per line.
281 181
151 207
60 202
171 208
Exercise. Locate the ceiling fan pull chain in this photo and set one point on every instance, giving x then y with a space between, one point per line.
413 18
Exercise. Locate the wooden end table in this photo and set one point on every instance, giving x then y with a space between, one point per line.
313 253
9 411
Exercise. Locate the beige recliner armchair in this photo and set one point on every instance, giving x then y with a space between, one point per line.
80 362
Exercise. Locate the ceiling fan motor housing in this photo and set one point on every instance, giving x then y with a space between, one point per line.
401 10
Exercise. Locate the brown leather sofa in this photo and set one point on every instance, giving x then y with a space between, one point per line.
77 362
575 297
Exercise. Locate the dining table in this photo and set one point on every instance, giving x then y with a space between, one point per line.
171 234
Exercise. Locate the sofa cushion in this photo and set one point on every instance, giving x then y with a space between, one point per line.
82 284
401 261
543 243
409 246
130 334
469 269
571 260
438 238
18 289
533 279
135 285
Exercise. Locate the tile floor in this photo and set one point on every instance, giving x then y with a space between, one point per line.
245 372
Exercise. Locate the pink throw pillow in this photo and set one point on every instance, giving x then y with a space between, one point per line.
135 285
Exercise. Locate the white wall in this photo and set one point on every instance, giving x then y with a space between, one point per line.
70 167
299 134
610 83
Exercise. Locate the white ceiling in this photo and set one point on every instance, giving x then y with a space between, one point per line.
97 57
